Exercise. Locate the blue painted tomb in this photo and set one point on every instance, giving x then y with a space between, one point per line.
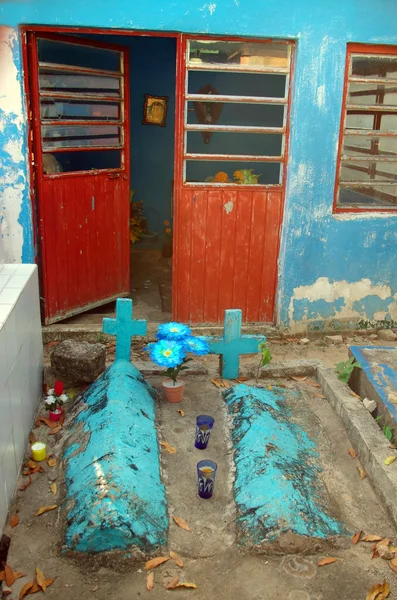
277 487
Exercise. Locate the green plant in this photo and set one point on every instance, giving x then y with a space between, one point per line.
266 355
345 368
387 431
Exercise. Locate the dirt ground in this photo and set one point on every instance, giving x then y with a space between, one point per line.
212 559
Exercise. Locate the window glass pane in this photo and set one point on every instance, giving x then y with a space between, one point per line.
370 197
238 53
237 84
62 53
374 66
232 172
368 170
52 80
372 122
357 145
371 93
65 162
80 136
66 109
256 144
227 113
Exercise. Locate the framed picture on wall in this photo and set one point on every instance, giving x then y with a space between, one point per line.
155 110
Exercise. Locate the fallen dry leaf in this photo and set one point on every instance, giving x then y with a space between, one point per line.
354 394
393 446
181 523
326 561
352 452
25 485
389 460
299 378
242 379
184 584
9 575
40 579
25 589
356 537
218 383
53 488
321 396
363 474
32 464
370 538
49 581
155 562
173 583
269 387
383 542
50 424
45 509
36 588
56 429
150 582
181 412
168 448
379 591
175 557
375 554
291 339
51 460
32 438
14 521
227 383
313 383
36 469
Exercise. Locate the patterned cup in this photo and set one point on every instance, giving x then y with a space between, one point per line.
206 473
204 424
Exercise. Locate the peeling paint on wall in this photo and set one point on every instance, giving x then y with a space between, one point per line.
228 206
340 301
15 212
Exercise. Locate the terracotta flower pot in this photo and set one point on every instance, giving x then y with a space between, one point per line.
55 415
173 392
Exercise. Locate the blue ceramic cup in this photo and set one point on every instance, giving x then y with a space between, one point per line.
204 424
206 473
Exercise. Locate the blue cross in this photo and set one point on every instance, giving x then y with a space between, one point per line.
123 327
232 344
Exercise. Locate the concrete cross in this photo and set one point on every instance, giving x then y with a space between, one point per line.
123 327
232 344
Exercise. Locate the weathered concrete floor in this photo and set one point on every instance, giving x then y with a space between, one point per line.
212 560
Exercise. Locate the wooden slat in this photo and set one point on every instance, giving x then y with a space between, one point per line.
197 265
234 99
212 255
227 250
232 157
242 250
269 272
234 128
184 217
257 255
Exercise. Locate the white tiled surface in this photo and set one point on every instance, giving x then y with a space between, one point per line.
21 367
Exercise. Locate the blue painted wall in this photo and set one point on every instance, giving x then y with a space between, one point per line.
325 259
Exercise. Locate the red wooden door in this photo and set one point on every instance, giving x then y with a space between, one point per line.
231 153
81 166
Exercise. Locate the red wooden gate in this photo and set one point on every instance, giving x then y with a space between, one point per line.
234 98
81 167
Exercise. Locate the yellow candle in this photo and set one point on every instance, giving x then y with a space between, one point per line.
39 451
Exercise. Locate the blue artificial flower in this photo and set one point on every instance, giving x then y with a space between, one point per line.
167 353
196 345
173 331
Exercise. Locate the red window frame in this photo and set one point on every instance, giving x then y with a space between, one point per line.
356 48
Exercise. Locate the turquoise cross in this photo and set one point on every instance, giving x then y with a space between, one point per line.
232 344
123 327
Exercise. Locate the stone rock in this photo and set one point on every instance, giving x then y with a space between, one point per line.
78 362
370 405
333 339
304 341
387 335
392 398
373 336
384 552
